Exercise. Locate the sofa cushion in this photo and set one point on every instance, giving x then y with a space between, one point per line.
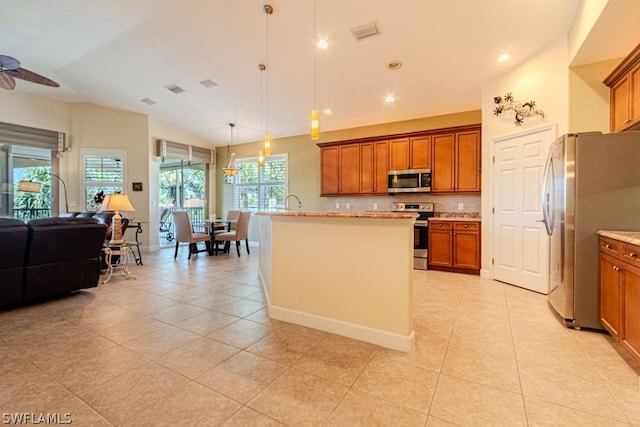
13 241
55 221
63 255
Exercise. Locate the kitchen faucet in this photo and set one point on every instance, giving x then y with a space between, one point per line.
286 201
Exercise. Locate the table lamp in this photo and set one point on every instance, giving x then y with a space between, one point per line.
116 202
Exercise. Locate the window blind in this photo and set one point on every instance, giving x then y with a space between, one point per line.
32 137
175 150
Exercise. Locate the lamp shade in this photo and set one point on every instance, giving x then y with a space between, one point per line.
29 186
116 202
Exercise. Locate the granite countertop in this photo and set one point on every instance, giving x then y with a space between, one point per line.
632 237
454 218
384 215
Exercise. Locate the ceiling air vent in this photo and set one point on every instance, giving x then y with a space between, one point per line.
365 31
148 101
208 83
175 88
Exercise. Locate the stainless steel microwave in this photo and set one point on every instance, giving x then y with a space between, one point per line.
409 181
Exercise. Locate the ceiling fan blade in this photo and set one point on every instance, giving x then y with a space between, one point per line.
8 63
30 76
6 81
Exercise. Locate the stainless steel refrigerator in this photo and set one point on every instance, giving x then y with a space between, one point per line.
591 183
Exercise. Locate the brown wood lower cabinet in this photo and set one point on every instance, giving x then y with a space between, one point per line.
620 293
454 246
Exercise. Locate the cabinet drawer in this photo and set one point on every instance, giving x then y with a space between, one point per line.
610 247
630 254
440 225
466 226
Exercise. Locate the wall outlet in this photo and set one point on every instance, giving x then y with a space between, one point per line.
460 206
347 205
375 206
337 205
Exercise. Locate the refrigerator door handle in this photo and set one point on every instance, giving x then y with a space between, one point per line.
547 190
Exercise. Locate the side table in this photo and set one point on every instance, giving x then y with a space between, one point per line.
123 250
135 246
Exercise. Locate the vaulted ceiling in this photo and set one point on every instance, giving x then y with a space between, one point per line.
118 52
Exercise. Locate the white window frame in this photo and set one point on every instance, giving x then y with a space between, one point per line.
285 156
101 152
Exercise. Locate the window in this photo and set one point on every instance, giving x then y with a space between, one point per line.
102 170
261 189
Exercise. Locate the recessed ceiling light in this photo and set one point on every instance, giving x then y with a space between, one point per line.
504 57
328 111
389 99
322 44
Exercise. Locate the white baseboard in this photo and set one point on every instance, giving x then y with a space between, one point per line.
350 330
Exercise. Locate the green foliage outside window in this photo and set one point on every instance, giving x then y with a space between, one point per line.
41 200
261 188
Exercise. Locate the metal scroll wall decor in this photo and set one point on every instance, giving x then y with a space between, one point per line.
522 111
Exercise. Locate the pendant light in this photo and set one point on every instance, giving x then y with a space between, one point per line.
261 67
315 121
268 10
231 169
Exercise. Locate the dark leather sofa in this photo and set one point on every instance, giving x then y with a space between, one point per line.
102 217
57 256
13 242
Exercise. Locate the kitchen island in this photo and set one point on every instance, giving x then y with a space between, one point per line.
346 273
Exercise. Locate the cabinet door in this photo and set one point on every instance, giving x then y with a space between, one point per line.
442 177
399 154
421 153
630 328
381 166
350 168
620 105
329 172
440 245
610 295
467 162
466 245
634 94
367 172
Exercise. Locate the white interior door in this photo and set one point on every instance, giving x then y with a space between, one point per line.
520 242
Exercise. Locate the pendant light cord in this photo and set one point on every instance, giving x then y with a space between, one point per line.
315 54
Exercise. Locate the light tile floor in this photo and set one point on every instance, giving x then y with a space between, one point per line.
189 343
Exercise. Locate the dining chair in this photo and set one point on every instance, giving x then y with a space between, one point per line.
185 233
240 233
232 218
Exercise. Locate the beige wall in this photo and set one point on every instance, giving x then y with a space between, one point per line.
589 97
91 126
162 130
304 161
543 79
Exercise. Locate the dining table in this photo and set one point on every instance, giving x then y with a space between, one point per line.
214 225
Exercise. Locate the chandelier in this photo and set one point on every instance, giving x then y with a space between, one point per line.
231 169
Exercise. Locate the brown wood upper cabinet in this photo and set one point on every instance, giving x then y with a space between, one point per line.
355 168
360 167
410 153
456 162
374 164
624 82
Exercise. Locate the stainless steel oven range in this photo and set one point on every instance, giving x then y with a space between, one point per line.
420 230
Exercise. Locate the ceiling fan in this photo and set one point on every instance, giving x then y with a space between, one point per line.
10 68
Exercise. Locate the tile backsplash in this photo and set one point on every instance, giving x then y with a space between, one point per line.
444 204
